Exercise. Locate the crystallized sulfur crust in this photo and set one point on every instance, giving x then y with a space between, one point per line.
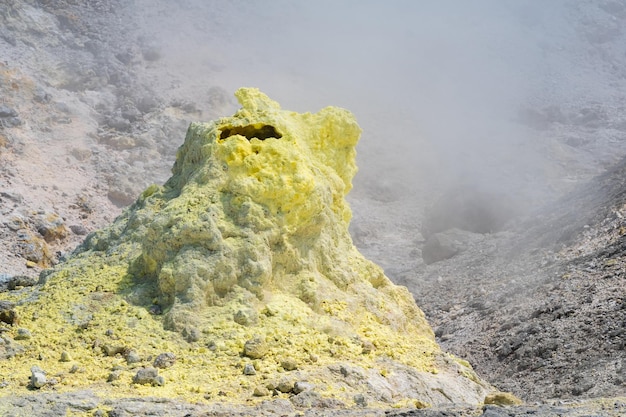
241 266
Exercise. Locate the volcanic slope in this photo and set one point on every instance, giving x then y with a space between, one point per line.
237 279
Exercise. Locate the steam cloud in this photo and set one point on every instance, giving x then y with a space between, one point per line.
437 86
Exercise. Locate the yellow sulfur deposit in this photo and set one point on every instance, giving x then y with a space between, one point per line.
242 270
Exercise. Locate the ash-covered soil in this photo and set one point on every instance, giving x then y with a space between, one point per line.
95 98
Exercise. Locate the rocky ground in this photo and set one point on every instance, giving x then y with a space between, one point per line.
93 105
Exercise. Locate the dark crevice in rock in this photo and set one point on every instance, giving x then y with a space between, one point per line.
260 132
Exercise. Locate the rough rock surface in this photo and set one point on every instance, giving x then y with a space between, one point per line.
253 218
556 281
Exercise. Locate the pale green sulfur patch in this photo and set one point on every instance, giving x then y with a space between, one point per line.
242 257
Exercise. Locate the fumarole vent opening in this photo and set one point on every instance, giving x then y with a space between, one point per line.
258 131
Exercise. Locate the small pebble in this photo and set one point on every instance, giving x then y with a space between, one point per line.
78 229
65 356
164 360
191 334
132 357
302 386
148 376
40 95
261 391
285 386
23 334
502 398
37 378
19 281
7 314
242 318
155 309
248 369
255 348
115 375
6 111
360 400
368 347
113 350
289 364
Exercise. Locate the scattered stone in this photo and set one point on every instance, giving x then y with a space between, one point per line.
23 334
17 198
502 398
368 347
8 348
116 375
113 350
132 357
33 248
289 364
148 376
255 348
285 385
245 318
78 229
164 360
6 112
301 386
19 281
249 369
51 226
9 117
191 334
37 378
261 391
65 356
360 400
40 96
155 310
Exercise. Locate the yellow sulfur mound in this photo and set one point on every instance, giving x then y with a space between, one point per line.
241 268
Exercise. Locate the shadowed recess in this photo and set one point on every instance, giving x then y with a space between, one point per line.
259 131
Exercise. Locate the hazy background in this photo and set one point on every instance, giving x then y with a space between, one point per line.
437 86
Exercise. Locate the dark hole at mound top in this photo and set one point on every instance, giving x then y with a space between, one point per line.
251 131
